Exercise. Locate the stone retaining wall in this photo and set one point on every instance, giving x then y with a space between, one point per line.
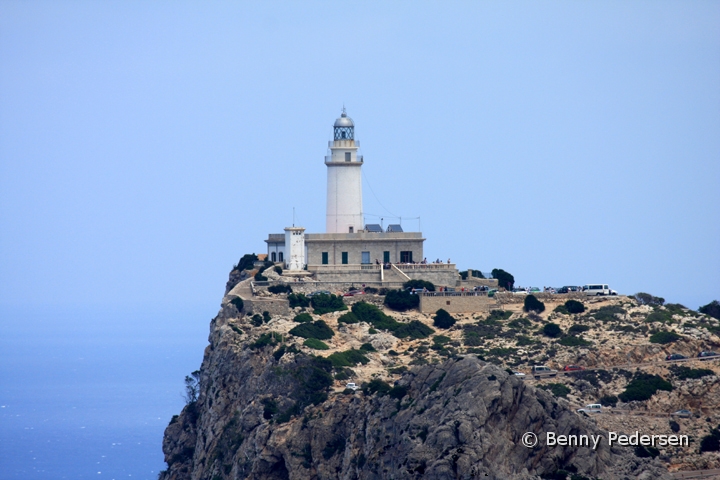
274 306
457 304
505 298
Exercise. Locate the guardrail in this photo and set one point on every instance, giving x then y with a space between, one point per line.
344 267
456 293
425 266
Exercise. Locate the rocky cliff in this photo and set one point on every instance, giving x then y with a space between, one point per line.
267 409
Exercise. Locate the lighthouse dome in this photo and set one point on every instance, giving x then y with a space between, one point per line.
344 121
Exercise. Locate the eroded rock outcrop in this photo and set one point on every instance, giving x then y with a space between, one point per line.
266 412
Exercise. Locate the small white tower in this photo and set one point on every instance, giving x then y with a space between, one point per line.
295 248
344 180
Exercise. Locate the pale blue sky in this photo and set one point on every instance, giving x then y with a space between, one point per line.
145 146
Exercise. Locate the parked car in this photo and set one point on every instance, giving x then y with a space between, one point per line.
573 368
533 290
682 413
543 371
519 291
492 292
352 386
352 293
520 375
675 356
319 292
591 408
705 355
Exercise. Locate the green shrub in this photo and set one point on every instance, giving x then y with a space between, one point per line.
367 347
303 318
660 316
279 288
369 313
519 323
324 303
266 317
256 320
348 358
298 300
413 330
372 331
401 300
712 309
419 284
523 341
398 392
348 318
337 444
646 452
505 280
607 313
238 302
682 372
609 401
573 341
711 443
441 339
552 330
259 277
532 304
266 339
497 315
318 330
315 344
573 306
664 337
644 386
562 309
278 269
557 389
577 328
647 299
246 262
443 319
376 386
283 350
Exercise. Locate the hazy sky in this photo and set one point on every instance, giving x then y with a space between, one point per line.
145 146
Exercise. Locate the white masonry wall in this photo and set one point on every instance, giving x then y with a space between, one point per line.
295 247
344 188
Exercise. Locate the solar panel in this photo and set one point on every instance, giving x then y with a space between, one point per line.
373 227
394 228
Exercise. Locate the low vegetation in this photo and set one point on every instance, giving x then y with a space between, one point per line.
369 313
557 389
348 358
324 303
664 337
281 288
443 319
318 330
315 344
298 300
303 318
532 304
643 386
401 300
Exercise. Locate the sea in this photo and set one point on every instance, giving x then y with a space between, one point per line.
86 392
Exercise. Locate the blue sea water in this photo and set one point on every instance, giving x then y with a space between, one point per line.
87 393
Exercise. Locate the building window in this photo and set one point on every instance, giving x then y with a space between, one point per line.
365 258
347 156
273 256
386 257
280 256
405 257
351 229
344 258
324 258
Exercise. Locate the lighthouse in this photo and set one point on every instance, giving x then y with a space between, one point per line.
344 179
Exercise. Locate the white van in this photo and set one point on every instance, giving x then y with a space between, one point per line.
592 408
598 289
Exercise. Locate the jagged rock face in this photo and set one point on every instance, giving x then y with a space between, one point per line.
460 419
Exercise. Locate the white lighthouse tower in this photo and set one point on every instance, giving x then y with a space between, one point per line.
344 180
